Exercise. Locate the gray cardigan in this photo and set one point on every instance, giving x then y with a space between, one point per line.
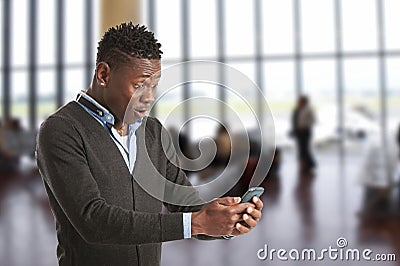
103 217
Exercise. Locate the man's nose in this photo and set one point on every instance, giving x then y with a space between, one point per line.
148 95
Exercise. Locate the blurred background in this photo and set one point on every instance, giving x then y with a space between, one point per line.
344 55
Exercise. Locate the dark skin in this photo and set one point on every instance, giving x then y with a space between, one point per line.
127 92
225 216
131 84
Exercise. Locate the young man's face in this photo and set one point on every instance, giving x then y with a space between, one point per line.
131 89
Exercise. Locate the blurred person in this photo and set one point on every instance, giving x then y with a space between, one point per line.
91 157
215 164
9 144
181 141
250 152
303 119
219 162
378 173
224 146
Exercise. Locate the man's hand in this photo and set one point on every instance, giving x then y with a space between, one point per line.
223 216
250 218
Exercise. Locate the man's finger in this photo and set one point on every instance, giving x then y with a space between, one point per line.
228 201
256 214
258 202
249 220
235 232
242 207
242 229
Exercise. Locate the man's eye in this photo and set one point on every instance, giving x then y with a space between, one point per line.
155 85
139 86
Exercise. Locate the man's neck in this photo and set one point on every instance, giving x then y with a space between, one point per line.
121 128
95 96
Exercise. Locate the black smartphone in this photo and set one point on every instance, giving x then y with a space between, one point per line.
251 192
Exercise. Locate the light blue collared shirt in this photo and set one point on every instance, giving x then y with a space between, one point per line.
126 145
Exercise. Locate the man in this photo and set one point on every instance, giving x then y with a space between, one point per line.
98 154
302 121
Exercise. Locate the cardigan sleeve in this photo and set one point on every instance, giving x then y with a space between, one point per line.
64 168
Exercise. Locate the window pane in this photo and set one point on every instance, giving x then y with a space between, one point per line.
239 26
203 31
169 106
279 81
19 33
247 69
46 31
319 77
320 87
241 97
393 66
19 96
317 26
96 27
1 27
359 25
202 93
46 94
73 83
392 22
202 84
280 93
362 103
393 95
168 27
361 77
278 26
169 96
74 35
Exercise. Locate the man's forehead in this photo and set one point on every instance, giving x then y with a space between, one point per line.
145 68
146 63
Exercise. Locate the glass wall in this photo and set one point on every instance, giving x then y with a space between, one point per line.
342 54
48 62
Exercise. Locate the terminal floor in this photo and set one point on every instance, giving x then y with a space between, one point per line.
302 211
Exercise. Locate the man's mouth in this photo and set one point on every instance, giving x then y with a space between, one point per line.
142 112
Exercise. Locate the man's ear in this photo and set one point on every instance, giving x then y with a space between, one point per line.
102 74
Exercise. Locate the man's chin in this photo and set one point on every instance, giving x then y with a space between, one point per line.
141 114
134 118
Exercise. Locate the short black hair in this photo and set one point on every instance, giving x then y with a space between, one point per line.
123 42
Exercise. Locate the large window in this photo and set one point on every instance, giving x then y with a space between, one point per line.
49 45
277 30
343 54
359 34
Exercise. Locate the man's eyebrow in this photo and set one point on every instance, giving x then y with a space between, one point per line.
149 76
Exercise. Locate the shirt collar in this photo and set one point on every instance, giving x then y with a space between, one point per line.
95 109
101 113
